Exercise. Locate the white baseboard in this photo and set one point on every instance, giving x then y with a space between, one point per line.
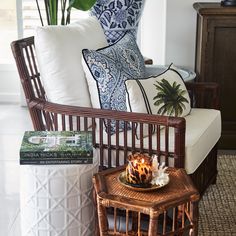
10 98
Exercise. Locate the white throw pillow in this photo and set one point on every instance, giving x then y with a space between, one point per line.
165 94
59 52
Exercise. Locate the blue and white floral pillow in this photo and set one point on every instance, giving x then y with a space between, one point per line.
118 16
109 68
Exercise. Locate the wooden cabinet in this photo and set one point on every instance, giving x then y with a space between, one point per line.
216 61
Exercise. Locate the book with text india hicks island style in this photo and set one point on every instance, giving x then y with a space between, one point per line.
56 147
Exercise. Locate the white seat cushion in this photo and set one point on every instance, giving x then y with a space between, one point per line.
59 53
203 130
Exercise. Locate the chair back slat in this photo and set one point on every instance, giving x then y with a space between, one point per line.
24 54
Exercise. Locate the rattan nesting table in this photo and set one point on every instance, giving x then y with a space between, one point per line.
171 210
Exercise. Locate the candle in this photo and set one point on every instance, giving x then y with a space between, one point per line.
139 169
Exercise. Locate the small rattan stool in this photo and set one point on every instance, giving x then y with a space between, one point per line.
171 210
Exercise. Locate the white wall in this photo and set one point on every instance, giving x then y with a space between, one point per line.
9 80
9 84
169 31
153 30
181 32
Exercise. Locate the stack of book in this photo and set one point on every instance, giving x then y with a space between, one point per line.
56 147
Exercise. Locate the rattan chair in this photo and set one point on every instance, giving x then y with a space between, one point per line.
113 149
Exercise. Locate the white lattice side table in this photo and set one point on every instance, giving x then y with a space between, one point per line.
57 200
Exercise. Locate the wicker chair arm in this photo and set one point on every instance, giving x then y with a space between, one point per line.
51 116
204 94
175 122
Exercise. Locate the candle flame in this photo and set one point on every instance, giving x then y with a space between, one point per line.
142 160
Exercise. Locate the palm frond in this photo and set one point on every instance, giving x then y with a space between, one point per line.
171 97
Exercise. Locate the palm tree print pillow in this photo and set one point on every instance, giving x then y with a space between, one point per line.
165 94
170 99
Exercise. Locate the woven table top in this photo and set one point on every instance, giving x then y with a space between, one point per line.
179 189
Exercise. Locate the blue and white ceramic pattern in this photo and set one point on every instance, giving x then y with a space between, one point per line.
111 67
118 16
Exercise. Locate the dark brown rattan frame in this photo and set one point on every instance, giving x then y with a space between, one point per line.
50 116
179 198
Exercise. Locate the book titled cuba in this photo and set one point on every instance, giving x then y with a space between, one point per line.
56 147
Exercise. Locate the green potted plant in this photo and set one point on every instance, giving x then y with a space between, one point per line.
52 8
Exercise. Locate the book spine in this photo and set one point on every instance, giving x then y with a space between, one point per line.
56 161
51 154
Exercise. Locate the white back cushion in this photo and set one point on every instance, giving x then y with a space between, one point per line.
59 53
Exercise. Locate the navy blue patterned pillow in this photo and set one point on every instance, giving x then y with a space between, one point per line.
110 67
118 16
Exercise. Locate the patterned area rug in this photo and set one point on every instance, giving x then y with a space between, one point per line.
217 209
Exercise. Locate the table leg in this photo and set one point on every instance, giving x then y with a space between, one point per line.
102 218
194 216
152 229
